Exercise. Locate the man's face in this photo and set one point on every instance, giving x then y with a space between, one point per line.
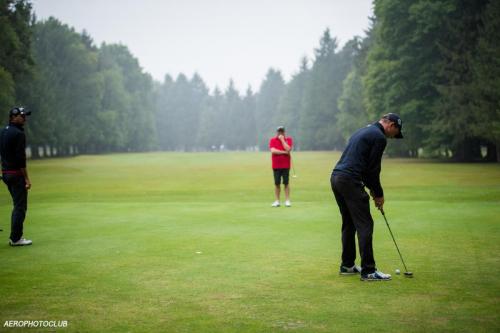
393 130
20 119
281 133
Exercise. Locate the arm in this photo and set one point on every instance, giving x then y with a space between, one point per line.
24 171
373 174
275 151
284 143
278 152
21 159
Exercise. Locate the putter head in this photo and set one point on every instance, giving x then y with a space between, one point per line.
408 274
294 176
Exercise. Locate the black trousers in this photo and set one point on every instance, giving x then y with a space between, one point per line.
17 188
354 205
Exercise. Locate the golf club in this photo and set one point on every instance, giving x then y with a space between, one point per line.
407 274
294 175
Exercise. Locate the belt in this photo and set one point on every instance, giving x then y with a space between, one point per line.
12 172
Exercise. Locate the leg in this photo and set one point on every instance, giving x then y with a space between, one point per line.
277 192
348 229
359 207
286 180
277 184
17 189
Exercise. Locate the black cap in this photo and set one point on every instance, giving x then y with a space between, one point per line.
397 121
19 110
280 129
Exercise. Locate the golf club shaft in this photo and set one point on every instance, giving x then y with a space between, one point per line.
393 239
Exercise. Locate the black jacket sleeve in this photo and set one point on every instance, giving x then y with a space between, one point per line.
372 177
20 150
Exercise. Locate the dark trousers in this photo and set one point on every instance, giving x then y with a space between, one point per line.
354 205
19 193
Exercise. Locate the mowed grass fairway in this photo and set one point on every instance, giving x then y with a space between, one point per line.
173 242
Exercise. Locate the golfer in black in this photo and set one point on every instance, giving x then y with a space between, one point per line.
14 173
359 167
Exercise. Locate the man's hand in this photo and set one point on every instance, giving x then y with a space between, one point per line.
281 137
379 202
279 152
28 183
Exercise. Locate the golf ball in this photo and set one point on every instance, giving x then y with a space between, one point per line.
397 271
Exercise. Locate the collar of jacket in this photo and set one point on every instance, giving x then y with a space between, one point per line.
21 127
379 125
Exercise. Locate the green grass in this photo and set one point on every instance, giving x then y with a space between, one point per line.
116 240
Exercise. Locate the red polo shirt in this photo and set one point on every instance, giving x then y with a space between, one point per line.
280 161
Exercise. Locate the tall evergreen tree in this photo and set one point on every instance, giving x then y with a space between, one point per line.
137 115
211 134
232 111
248 131
486 82
402 63
318 128
267 104
353 113
420 67
65 91
163 121
453 122
16 62
198 99
291 104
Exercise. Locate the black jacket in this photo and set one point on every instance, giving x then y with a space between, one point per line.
13 147
362 157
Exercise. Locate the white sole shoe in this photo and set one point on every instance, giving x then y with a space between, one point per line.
376 276
20 242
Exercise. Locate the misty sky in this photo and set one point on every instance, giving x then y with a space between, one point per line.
219 39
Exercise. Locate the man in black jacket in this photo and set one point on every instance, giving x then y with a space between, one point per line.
14 173
359 167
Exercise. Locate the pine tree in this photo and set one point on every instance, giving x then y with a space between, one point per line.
16 62
318 118
267 104
485 67
291 103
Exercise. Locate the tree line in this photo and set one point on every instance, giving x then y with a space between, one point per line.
436 63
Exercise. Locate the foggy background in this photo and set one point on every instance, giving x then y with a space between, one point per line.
127 76
219 39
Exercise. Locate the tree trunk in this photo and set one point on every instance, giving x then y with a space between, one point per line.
469 150
498 151
492 152
35 154
65 151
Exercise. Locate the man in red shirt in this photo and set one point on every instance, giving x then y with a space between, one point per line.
280 147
